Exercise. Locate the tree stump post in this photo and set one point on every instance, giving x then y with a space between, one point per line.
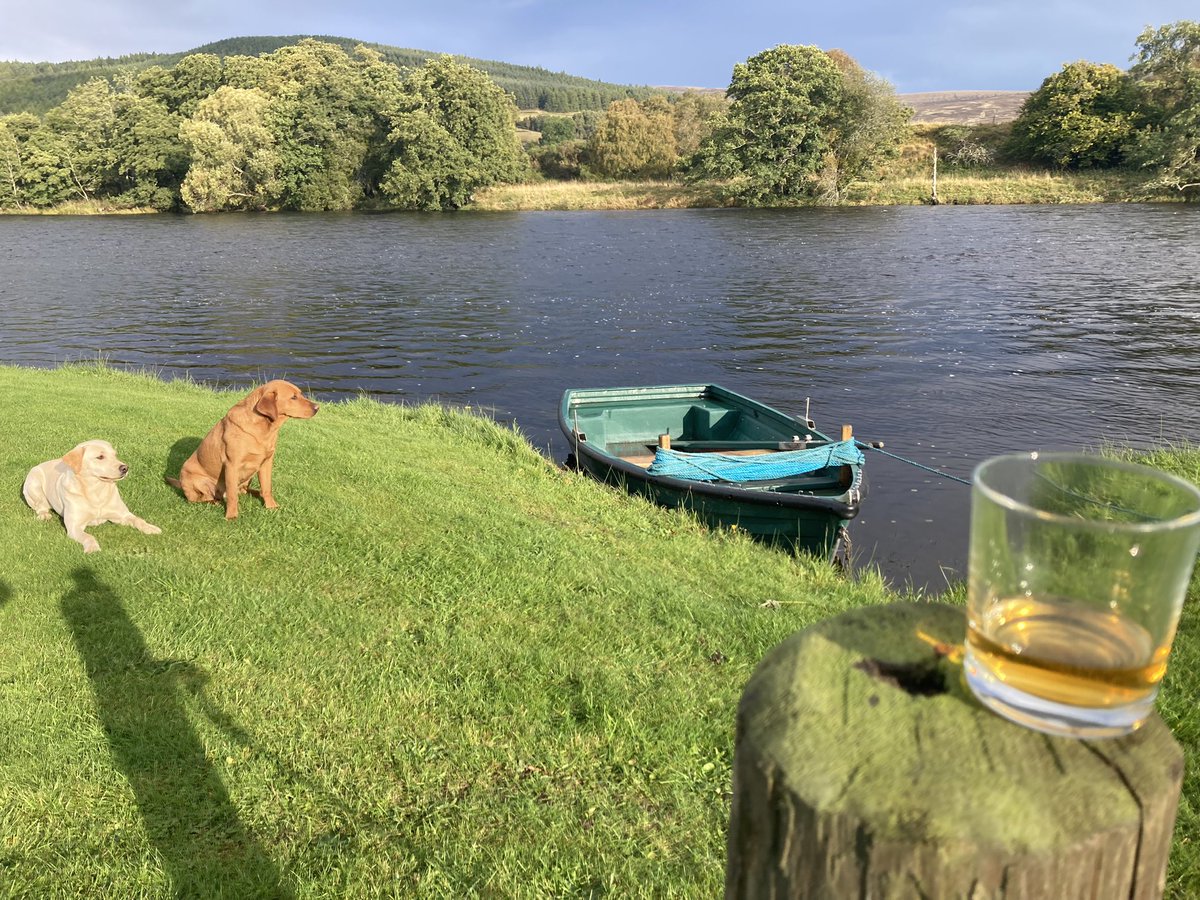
863 767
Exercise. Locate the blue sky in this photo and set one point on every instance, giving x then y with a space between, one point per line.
917 46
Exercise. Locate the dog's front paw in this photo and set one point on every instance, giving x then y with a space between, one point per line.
91 545
147 528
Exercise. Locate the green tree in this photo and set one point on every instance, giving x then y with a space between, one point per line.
635 140
327 109
15 131
556 129
82 129
1084 116
452 133
1167 73
430 170
151 159
564 161
866 128
778 131
695 116
234 161
181 87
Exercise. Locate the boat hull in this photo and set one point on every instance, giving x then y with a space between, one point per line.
609 428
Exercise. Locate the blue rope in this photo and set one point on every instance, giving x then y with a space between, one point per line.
913 463
723 467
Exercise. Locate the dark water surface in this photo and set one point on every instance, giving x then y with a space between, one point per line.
950 333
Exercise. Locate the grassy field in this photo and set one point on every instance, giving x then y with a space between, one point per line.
442 668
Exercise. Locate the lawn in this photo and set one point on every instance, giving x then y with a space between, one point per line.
443 667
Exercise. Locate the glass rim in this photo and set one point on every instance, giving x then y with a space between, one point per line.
1184 520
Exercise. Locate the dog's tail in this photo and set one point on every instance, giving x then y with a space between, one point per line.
173 482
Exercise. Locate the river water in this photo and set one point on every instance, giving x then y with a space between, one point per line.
949 333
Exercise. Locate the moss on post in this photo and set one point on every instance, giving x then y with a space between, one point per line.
864 768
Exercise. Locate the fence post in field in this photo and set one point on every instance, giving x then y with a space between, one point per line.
863 767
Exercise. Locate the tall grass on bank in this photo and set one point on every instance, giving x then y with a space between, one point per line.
576 195
77 208
997 187
442 668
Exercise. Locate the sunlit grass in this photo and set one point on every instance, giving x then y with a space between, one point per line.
576 195
76 208
444 667
997 187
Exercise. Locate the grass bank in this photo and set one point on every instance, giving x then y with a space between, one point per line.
443 667
987 187
575 195
78 208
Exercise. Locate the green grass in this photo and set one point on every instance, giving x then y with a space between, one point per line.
442 668
577 195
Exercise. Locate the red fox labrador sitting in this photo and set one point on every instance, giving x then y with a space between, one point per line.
241 446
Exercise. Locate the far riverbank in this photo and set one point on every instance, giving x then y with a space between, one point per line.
994 187
987 187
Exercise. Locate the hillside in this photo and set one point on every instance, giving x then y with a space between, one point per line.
37 87
964 107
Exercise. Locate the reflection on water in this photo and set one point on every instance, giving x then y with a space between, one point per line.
950 333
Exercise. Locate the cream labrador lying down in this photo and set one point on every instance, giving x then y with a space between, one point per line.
82 488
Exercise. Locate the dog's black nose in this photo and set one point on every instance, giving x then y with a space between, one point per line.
124 469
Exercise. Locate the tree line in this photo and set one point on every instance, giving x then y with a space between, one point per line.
307 127
38 87
312 126
1094 115
797 124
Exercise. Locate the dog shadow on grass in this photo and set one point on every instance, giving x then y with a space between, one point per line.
188 815
178 455
5 592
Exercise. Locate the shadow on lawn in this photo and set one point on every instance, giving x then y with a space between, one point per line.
205 848
178 455
5 592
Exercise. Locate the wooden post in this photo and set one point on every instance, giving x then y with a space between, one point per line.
664 440
863 767
846 477
934 199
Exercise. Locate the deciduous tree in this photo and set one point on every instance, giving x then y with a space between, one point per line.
452 133
1167 72
1084 116
778 132
635 140
234 161
151 159
866 129
695 115
82 128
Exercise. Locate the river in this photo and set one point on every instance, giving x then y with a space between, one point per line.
949 333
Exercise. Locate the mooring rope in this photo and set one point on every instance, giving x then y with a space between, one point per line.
911 462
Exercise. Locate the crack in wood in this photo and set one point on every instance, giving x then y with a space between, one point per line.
920 679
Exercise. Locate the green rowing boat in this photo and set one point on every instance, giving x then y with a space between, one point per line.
731 460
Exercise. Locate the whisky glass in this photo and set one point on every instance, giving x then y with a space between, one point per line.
1077 573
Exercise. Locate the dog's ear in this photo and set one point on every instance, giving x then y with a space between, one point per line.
266 406
74 459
